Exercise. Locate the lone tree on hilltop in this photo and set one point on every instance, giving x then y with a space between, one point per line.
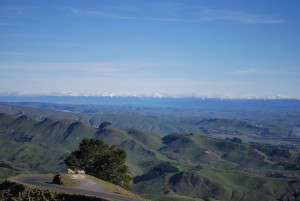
101 160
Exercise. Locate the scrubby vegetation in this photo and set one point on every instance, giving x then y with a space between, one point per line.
100 160
156 172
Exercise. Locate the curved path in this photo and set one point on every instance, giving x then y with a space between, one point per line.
86 187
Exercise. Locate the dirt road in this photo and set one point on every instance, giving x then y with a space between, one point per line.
86 187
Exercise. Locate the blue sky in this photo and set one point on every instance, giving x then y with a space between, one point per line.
234 48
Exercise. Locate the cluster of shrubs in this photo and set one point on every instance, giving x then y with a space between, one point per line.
155 172
235 140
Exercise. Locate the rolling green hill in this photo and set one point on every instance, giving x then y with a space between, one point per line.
121 118
199 167
63 136
165 121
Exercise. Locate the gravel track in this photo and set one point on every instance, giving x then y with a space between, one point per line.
86 187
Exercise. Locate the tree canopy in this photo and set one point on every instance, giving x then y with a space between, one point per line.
101 160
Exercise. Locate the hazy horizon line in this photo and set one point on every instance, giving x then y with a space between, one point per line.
228 96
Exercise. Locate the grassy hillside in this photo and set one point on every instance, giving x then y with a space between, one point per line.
204 167
218 185
29 157
244 186
219 169
194 150
120 117
36 138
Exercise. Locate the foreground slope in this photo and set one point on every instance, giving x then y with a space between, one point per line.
74 187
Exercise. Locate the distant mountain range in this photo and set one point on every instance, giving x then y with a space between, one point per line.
253 120
161 100
198 95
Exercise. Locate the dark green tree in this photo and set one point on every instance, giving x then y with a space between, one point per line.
101 160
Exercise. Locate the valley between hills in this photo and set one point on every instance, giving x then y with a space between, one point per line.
173 153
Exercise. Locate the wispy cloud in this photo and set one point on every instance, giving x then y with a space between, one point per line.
203 14
246 18
12 25
117 68
4 54
97 13
287 73
247 71
62 68
170 12
113 78
253 71
126 8
175 12
167 19
8 12
200 13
